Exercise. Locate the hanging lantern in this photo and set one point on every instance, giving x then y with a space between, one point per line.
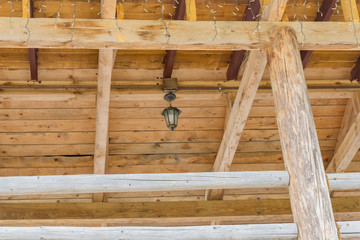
171 114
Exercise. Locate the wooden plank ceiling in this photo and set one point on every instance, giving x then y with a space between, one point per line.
48 126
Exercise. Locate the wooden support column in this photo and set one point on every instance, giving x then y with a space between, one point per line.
348 142
106 62
309 192
254 69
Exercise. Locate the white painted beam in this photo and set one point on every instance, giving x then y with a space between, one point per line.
68 184
349 230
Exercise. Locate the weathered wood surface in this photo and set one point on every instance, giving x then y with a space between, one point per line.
68 184
233 232
106 61
149 34
235 122
225 232
348 142
309 193
102 114
140 182
239 113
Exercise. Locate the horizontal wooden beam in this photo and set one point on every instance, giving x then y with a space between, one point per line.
222 232
68 184
185 35
226 210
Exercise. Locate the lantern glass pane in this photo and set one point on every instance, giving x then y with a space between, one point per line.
171 115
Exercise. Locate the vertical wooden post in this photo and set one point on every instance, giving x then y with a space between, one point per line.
309 193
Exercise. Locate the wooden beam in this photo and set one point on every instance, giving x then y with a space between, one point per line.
237 210
149 34
106 62
348 142
246 93
221 232
245 232
324 14
251 14
171 54
69 184
309 193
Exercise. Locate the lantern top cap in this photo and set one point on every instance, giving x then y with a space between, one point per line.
170 97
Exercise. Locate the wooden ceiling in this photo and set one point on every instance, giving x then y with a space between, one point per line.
47 127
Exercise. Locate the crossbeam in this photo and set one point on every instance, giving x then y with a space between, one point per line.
92 183
185 35
235 232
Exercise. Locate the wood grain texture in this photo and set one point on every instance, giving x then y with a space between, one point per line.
309 193
235 122
348 142
349 230
149 35
37 185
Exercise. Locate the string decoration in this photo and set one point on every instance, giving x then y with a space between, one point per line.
73 24
90 6
144 6
120 2
41 6
101 7
58 12
12 12
257 19
235 8
300 21
162 19
336 8
26 27
213 17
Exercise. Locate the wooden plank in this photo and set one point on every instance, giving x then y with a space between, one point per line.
313 214
155 211
149 34
102 114
106 62
245 96
349 230
139 182
69 184
240 232
349 137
